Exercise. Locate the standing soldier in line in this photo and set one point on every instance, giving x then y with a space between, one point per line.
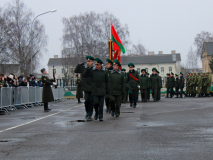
160 86
176 85
181 85
194 84
87 85
47 95
100 86
79 93
208 84
132 80
143 82
148 87
199 85
116 88
187 85
108 69
155 83
124 95
172 84
203 82
167 85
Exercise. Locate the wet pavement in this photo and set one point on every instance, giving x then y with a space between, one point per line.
169 129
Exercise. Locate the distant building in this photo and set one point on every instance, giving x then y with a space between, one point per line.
207 56
165 63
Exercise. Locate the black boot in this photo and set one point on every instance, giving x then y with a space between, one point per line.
112 114
96 116
130 104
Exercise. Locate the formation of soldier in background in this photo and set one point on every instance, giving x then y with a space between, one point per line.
198 84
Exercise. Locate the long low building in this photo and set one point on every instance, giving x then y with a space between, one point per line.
165 63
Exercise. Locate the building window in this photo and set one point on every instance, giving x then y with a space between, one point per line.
162 70
170 69
138 69
147 70
174 57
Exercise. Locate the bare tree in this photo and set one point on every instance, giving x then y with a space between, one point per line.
200 39
138 49
191 62
88 33
19 48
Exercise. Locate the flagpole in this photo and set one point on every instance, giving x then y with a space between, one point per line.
110 44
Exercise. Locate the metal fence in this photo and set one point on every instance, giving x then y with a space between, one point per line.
11 98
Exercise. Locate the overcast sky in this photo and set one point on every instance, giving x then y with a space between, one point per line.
160 25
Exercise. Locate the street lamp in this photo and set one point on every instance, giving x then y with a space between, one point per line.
31 44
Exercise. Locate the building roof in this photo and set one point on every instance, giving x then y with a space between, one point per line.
146 59
209 48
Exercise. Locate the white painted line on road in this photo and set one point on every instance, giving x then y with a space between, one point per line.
38 119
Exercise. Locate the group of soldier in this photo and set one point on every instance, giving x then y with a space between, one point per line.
113 85
198 84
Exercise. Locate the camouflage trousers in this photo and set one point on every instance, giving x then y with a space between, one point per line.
199 90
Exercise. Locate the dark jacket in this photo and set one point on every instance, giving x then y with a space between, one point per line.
181 82
172 82
176 82
79 93
99 79
116 83
160 81
132 83
143 81
86 81
154 81
168 81
47 95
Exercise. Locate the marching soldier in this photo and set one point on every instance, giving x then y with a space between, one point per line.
108 69
87 85
199 85
181 85
100 83
155 84
125 94
148 87
143 82
79 93
176 85
132 80
116 88
194 84
159 87
47 95
172 84
167 85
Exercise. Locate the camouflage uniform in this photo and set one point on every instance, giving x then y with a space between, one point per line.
199 85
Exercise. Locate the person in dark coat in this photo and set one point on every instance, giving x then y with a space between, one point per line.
181 85
167 85
176 86
47 95
172 84
148 87
144 83
79 93
155 83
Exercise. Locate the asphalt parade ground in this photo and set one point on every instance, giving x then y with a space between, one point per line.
169 129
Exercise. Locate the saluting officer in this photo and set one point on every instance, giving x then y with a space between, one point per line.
116 88
47 95
108 69
100 86
132 80
87 85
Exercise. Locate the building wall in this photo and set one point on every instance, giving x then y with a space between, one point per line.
58 74
205 62
175 68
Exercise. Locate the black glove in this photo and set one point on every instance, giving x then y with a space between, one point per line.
82 64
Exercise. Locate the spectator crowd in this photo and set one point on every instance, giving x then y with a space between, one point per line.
13 81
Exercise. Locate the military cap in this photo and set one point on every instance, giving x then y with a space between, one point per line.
143 70
42 70
157 71
98 61
154 69
109 61
147 73
168 74
176 74
172 73
123 69
116 62
181 73
131 64
90 58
